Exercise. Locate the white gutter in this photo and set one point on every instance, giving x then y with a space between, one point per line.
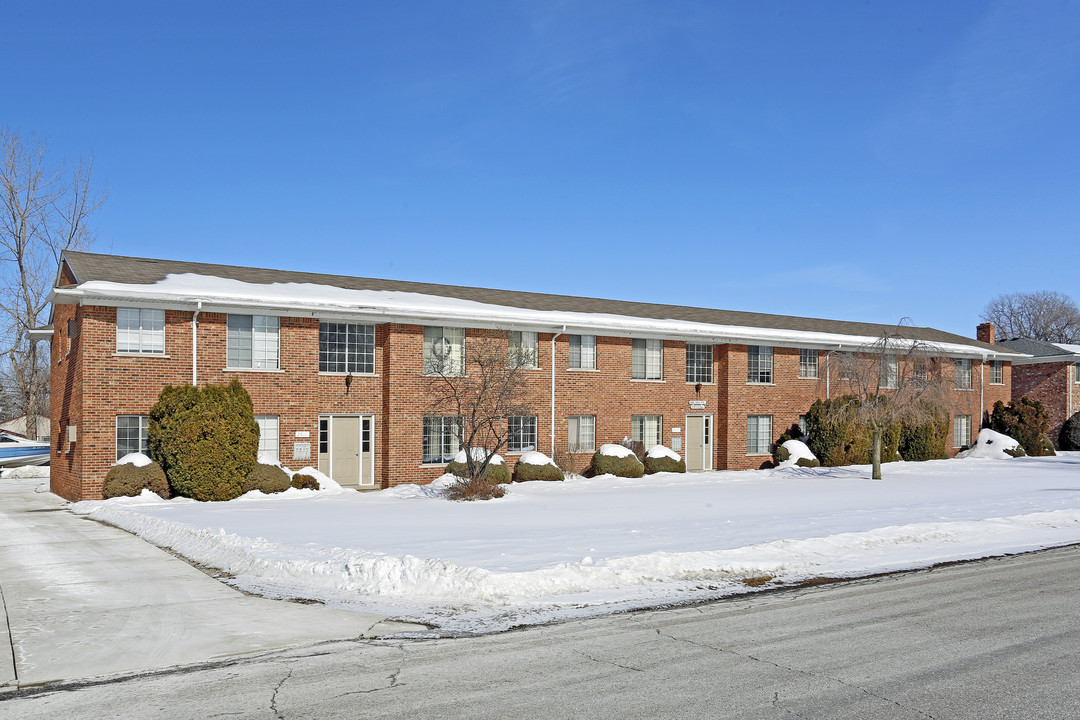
195 344
553 337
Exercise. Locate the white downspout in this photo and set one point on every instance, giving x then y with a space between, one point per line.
553 388
982 390
195 345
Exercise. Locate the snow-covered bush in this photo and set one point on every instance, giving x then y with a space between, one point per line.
662 459
496 470
267 479
616 460
796 452
303 481
131 475
992 444
535 465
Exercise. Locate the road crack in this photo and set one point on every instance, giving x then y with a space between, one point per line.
391 679
587 656
273 698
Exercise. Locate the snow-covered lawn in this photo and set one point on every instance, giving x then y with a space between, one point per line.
585 546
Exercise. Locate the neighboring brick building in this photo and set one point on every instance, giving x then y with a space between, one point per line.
335 367
1051 375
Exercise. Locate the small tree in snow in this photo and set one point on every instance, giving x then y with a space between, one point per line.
894 379
481 384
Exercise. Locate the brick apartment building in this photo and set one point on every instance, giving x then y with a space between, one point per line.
335 368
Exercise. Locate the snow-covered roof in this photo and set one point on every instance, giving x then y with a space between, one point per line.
117 280
1041 351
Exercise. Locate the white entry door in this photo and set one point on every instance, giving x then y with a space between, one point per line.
346 448
699 442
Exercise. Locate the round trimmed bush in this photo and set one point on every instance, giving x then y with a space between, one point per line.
627 466
498 473
268 479
663 463
526 472
304 482
129 480
808 462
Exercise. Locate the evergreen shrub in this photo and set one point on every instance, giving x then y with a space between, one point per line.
304 482
495 473
926 441
629 466
269 479
128 480
1025 421
1070 433
524 472
664 464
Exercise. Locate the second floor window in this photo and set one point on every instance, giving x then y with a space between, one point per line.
345 347
997 372
583 352
648 359
963 374
759 364
139 330
808 363
1076 372
253 342
444 351
698 363
890 372
524 349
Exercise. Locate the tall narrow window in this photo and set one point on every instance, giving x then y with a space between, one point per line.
758 434
997 372
808 360
581 434
524 349
759 364
647 359
645 429
522 433
963 374
268 438
132 432
444 351
890 372
962 431
440 443
139 330
1076 372
583 352
698 363
347 348
253 342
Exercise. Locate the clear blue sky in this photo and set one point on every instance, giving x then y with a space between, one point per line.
850 160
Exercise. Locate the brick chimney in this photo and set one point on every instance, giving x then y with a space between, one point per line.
985 332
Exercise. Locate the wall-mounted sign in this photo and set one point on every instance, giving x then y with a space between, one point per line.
303 433
697 404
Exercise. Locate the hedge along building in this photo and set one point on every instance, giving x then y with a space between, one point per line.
335 366
1049 373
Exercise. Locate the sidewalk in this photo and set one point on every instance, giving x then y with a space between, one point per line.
84 600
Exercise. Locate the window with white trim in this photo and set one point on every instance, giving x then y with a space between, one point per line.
581 434
583 352
647 359
758 434
139 330
759 364
524 349
440 443
522 433
268 438
645 429
699 360
808 363
346 348
252 342
132 433
997 372
963 374
962 431
889 372
1076 372
444 350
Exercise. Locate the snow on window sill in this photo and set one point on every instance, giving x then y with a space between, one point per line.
254 370
142 354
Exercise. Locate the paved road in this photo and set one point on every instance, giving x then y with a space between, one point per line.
82 599
993 639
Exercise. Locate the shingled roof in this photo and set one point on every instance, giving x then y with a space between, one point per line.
132 270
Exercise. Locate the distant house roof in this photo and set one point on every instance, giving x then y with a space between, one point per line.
1042 351
18 426
113 279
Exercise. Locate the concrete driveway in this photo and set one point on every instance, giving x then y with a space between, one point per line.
86 600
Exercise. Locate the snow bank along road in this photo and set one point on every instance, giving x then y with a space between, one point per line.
559 550
990 639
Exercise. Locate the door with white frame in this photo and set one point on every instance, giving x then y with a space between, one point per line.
346 449
698 442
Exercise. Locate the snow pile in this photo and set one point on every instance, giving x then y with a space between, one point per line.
561 550
619 451
478 455
990 444
659 451
136 458
534 457
25 471
326 483
798 450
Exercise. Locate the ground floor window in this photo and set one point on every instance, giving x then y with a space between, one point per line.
522 436
582 433
132 432
758 434
440 438
962 431
268 438
645 429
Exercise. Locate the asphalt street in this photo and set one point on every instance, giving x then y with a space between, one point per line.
996 638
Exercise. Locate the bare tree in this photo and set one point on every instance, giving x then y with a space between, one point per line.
45 208
1044 315
891 380
480 384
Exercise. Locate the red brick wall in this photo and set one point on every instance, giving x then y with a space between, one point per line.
1049 383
